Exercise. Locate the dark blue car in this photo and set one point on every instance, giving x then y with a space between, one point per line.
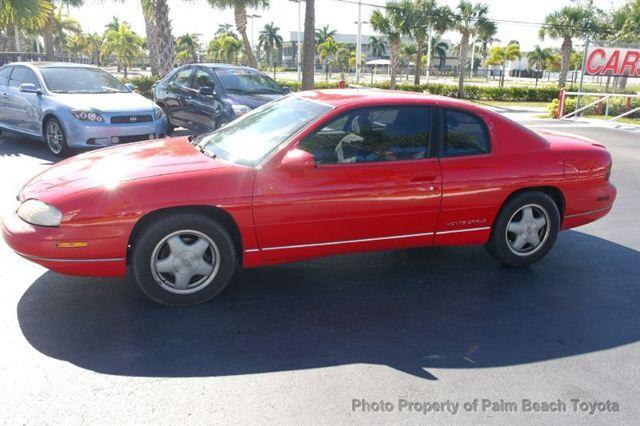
204 97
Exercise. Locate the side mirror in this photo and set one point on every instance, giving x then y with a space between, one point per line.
206 91
286 90
29 88
297 159
131 87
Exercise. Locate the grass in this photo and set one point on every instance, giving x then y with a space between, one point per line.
516 103
625 120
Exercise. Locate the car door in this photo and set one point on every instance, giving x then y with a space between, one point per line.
204 109
5 73
176 96
23 109
376 185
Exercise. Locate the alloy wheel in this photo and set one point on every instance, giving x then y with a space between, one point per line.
527 230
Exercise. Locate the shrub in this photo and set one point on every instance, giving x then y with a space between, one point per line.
617 106
143 83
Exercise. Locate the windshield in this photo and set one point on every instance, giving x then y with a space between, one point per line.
253 136
247 81
81 80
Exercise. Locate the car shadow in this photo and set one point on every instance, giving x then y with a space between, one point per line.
15 145
412 310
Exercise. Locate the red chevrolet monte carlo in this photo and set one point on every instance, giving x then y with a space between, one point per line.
313 174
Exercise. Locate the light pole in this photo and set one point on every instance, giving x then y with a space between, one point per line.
253 15
358 47
299 47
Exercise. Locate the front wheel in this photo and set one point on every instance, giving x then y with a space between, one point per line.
525 230
183 259
55 138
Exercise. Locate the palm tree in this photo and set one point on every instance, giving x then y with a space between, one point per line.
308 47
151 30
230 48
500 56
538 58
327 51
240 13
76 44
124 44
322 34
188 46
224 29
408 53
439 47
164 46
567 23
94 41
425 16
62 27
486 37
29 15
270 39
470 18
377 46
393 26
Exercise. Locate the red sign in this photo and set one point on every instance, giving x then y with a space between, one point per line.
613 61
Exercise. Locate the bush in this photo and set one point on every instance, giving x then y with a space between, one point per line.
617 106
143 83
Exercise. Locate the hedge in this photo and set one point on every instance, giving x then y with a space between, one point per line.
617 106
485 93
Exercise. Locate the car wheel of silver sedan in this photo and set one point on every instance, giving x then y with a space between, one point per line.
525 229
183 259
54 137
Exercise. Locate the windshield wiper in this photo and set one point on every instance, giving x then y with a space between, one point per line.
206 152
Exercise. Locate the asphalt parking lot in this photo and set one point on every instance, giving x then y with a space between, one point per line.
292 343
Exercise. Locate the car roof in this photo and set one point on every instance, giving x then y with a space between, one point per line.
363 97
53 65
224 66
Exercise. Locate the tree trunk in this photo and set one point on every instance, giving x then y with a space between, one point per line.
419 48
462 62
394 46
565 51
504 66
240 14
16 40
308 48
152 37
164 41
47 35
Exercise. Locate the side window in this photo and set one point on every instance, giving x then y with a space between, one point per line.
201 78
372 135
22 75
182 77
464 134
4 75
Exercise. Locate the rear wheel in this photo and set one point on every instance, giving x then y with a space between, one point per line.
185 259
55 138
525 230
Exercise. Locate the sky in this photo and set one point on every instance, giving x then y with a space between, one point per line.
197 16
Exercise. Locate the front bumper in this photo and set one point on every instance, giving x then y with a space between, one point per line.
102 256
83 134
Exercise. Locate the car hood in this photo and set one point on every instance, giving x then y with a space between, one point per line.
108 102
110 167
253 100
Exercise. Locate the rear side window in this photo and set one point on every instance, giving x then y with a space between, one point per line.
4 75
464 134
22 75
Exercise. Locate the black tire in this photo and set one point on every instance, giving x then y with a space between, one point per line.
503 244
157 286
55 137
170 127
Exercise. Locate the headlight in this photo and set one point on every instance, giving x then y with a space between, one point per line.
240 109
38 213
87 115
158 112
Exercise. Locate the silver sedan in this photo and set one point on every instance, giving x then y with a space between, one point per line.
74 106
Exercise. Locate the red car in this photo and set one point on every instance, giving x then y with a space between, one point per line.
313 174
